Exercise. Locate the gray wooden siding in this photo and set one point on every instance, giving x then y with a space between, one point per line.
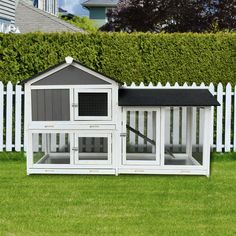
50 105
7 10
70 75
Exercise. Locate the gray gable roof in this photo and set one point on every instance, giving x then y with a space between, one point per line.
74 72
70 75
100 3
32 19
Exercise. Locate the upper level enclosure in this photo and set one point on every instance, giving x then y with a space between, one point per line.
72 92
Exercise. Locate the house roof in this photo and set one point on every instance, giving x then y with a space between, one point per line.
166 97
83 76
100 3
32 19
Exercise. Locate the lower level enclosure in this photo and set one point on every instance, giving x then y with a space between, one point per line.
145 143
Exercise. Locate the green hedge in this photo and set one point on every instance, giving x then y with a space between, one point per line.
137 57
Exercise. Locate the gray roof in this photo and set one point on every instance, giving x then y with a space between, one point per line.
100 3
32 19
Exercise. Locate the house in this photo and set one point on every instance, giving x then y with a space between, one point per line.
79 121
32 19
65 13
50 6
7 16
98 9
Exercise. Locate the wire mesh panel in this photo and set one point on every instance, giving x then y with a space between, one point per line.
93 104
185 134
141 144
94 148
48 148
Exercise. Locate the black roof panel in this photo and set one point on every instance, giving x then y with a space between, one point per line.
166 97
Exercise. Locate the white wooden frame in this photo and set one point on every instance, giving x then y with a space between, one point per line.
92 90
93 162
30 151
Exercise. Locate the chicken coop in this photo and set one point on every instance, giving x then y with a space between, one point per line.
79 121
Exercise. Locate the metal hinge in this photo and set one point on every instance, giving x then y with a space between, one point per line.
122 134
74 105
75 149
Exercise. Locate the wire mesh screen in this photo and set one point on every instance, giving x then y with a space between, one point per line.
93 104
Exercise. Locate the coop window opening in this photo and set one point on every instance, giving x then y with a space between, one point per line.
92 104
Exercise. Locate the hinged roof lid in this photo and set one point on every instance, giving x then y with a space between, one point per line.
166 97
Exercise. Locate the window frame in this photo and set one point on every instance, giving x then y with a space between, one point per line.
158 128
93 162
77 117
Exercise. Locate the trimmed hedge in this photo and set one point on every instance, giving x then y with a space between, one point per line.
138 57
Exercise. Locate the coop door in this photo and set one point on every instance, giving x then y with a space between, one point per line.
93 149
92 104
141 142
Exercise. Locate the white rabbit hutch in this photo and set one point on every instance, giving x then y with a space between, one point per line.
78 121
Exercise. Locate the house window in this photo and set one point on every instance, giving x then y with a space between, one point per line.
92 104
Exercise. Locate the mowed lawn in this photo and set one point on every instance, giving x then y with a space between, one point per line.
124 205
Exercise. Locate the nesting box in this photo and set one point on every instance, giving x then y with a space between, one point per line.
79 121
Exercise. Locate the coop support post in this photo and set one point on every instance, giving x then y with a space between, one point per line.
207 140
189 133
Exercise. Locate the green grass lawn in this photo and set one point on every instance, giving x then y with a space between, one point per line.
124 205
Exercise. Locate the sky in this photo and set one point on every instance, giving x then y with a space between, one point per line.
74 7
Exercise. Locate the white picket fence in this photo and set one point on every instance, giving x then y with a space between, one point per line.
223 138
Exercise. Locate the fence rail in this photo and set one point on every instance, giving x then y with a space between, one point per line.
224 130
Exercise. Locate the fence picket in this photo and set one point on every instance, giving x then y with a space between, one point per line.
62 142
53 142
132 124
234 119
219 118
183 127
167 126
149 126
227 118
9 117
1 115
18 118
212 90
176 126
141 129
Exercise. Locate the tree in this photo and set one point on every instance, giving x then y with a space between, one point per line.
81 22
171 15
